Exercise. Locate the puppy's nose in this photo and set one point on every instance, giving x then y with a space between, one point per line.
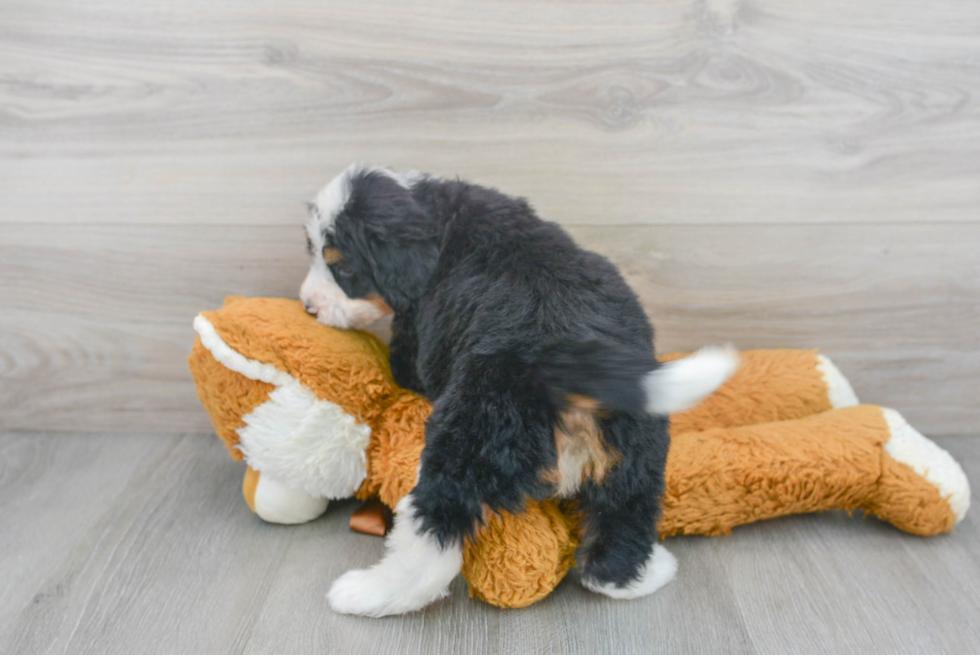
310 309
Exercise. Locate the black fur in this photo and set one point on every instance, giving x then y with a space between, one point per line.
499 316
597 369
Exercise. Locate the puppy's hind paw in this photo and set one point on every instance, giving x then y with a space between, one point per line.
658 570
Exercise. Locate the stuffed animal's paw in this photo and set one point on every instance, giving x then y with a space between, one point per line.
276 502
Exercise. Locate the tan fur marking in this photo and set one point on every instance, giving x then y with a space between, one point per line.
551 476
380 303
332 255
582 450
582 402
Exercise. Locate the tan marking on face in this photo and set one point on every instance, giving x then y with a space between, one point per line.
582 450
380 303
332 256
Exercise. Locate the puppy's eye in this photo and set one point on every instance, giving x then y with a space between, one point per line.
343 269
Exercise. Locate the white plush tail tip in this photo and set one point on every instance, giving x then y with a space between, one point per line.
683 383
924 456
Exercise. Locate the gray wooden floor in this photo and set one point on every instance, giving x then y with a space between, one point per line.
125 543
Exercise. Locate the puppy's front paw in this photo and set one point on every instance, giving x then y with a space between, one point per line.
415 571
355 592
374 592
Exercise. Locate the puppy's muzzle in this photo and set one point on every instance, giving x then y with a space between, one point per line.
323 298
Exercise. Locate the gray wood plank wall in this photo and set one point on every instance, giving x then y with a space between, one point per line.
770 173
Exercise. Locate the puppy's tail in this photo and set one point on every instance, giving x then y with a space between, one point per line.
620 378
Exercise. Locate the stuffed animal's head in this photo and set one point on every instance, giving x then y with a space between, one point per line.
290 396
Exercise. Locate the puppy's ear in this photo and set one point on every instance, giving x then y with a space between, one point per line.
402 266
400 239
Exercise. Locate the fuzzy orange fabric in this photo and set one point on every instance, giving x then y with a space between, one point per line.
763 446
227 396
395 449
348 369
907 501
771 385
722 477
520 559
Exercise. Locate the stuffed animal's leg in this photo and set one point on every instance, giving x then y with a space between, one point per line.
520 558
275 502
922 489
770 385
863 457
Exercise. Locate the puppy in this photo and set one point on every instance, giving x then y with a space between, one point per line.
538 360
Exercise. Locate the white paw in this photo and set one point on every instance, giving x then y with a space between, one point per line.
414 572
360 592
659 569
374 592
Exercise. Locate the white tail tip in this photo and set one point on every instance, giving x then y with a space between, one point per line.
683 383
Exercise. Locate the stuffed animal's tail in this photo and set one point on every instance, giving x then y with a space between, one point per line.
621 378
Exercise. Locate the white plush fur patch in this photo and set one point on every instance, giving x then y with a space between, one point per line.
414 572
276 502
659 569
839 390
295 436
908 446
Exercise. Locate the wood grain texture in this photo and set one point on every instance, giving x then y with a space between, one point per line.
149 548
96 326
97 319
683 111
897 307
772 173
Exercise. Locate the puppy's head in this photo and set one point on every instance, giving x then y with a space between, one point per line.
373 248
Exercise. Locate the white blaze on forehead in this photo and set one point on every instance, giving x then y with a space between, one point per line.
332 198
406 179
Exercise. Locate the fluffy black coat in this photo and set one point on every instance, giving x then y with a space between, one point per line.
499 316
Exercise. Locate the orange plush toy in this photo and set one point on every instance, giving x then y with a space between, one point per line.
316 415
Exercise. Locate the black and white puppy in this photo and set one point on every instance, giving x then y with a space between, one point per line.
538 360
